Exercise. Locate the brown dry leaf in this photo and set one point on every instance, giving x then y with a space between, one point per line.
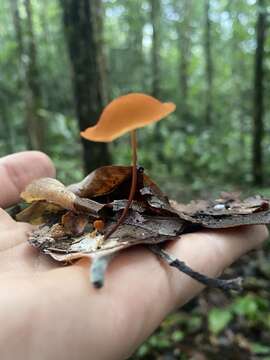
146 229
38 213
68 234
105 180
223 213
68 231
150 218
51 190
101 181
74 223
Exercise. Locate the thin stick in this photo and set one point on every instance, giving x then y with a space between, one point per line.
133 185
231 284
98 269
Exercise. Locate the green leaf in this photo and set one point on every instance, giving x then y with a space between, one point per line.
143 350
218 319
261 349
178 336
194 323
247 306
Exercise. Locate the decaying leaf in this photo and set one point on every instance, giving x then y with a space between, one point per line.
113 182
101 182
142 224
74 223
38 213
224 212
51 190
68 218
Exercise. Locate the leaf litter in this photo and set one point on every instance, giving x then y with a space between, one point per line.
73 221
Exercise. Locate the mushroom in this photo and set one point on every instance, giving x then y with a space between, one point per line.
126 114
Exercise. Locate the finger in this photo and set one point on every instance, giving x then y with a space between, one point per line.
18 170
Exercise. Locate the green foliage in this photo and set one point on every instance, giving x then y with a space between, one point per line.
250 306
177 147
177 336
218 319
260 349
254 309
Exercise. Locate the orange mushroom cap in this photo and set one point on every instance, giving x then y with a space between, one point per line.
126 113
98 225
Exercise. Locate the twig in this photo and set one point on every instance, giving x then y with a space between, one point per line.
98 269
230 284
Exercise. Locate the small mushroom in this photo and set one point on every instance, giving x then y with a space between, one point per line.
124 114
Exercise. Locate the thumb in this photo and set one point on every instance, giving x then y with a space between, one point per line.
18 170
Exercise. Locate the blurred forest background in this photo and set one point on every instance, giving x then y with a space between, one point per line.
62 61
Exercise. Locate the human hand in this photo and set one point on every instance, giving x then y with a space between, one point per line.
52 312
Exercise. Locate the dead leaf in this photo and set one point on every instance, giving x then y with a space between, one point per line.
51 190
91 244
74 223
68 216
39 212
223 213
101 182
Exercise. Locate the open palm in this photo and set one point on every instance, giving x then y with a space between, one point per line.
49 311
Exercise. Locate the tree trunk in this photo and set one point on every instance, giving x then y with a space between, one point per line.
80 27
21 67
34 100
208 64
136 20
97 9
156 45
183 10
17 27
9 135
258 126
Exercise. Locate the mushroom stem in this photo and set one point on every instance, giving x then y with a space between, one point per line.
133 184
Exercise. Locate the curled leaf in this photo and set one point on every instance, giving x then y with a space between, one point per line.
39 212
53 191
50 190
113 182
101 181
75 226
225 212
